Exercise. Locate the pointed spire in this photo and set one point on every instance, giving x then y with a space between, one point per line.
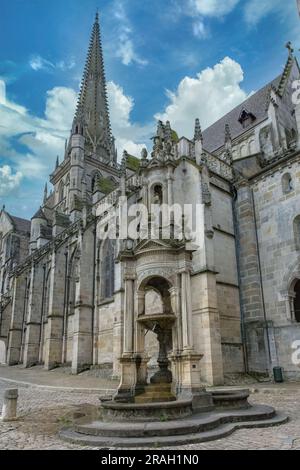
198 132
228 144
168 131
160 130
92 112
57 162
227 134
124 163
45 193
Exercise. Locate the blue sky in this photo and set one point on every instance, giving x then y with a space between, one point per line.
171 59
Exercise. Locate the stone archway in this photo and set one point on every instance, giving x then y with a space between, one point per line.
2 352
156 319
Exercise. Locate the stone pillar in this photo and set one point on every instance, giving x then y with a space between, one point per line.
250 280
54 329
211 347
297 117
33 321
186 309
15 332
9 408
83 318
129 315
126 389
177 329
170 188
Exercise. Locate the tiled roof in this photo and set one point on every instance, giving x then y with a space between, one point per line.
21 225
256 104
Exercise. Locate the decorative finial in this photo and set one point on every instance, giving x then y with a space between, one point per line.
289 48
144 154
57 162
227 133
160 129
198 132
124 162
3 208
97 16
228 145
168 131
45 193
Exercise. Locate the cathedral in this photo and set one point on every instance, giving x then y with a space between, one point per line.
72 295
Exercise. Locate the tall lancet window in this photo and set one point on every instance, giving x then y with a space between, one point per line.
108 269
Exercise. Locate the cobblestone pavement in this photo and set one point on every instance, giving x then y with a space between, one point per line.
41 413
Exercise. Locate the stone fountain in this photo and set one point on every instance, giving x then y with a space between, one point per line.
157 417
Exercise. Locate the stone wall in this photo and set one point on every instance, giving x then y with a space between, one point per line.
276 211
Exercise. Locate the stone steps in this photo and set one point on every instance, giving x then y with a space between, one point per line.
197 423
170 440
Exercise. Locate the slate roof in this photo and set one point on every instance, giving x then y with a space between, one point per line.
214 136
39 215
21 225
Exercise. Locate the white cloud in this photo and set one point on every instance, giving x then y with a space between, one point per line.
43 138
129 136
200 30
39 63
8 180
213 93
214 8
60 107
256 10
126 50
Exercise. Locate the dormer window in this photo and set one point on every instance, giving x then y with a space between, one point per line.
246 118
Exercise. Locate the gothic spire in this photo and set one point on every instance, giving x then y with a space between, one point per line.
198 132
92 108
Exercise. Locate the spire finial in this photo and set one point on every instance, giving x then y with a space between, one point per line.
290 48
227 133
57 162
198 132
97 16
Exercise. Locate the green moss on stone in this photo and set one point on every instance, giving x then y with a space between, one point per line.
133 163
106 186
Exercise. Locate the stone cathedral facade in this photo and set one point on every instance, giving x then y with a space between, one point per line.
71 295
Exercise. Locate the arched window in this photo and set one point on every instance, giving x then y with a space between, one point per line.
297 301
108 269
297 232
287 183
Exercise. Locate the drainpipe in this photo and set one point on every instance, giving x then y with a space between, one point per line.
237 251
261 281
42 315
